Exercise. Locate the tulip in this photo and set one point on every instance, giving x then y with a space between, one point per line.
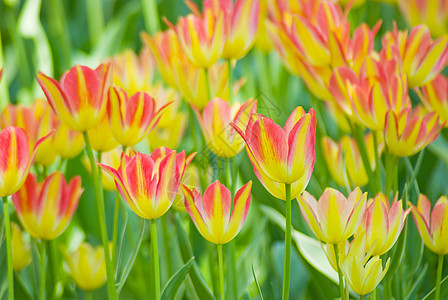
149 183
435 97
87 266
422 58
79 98
407 133
240 20
101 137
166 49
169 136
202 37
383 223
344 160
262 41
363 272
285 155
432 13
21 255
215 121
192 181
214 217
46 208
67 143
133 73
431 224
132 118
334 218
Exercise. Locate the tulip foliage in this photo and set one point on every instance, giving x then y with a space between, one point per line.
224 149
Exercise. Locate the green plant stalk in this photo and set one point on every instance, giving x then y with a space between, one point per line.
95 20
115 229
151 16
341 280
374 293
102 219
439 276
166 246
8 248
287 258
230 70
391 174
43 256
221 272
377 161
155 257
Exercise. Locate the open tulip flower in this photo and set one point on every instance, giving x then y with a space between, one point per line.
87 266
241 21
149 183
215 122
21 249
408 133
284 155
132 118
383 223
79 99
212 213
432 224
45 209
344 160
202 37
334 218
16 159
435 97
422 58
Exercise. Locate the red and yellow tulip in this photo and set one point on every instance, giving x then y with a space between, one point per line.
212 213
45 209
383 223
334 218
408 133
132 118
422 58
435 97
16 159
21 249
79 98
215 122
149 183
432 225
87 266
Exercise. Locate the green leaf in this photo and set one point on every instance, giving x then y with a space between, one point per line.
200 286
443 288
174 283
256 282
397 257
310 248
416 283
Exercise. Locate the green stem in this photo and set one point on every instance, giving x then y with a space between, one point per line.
374 293
391 174
8 248
166 245
102 219
155 257
221 272
287 258
95 20
43 256
341 280
115 229
360 297
234 175
439 276
230 70
151 16
377 160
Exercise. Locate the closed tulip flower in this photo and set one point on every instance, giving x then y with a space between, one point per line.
21 250
16 159
87 266
45 209
101 137
67 143
212 212
132 118
79 98
408 133
432 224
149 183
215 122
334 218
383 223
285 155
